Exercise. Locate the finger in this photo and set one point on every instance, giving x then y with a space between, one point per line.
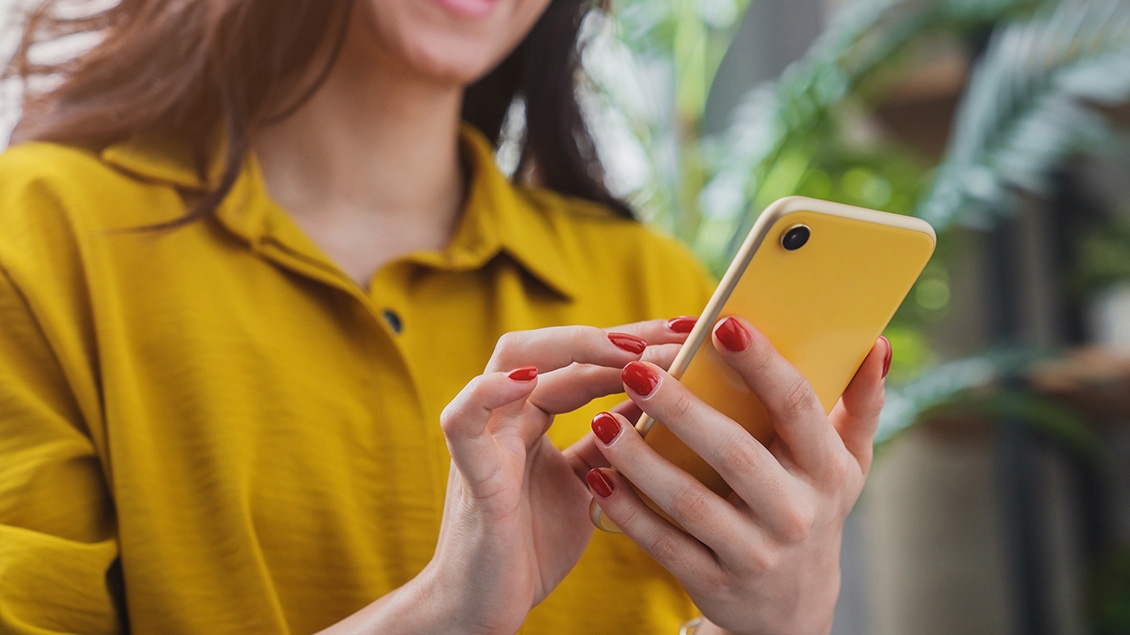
466 418
559 346
856 415
706 515
747 466
799 419
569 388
629 410
678 552
662 355
584 455
674 330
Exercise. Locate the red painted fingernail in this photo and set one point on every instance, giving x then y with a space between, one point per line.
732 335
640 378
630 343
890 353
606 427
599 483
525 373
682 324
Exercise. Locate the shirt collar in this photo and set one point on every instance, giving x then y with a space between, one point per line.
498 216
160 158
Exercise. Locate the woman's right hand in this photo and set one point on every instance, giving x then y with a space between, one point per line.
515 519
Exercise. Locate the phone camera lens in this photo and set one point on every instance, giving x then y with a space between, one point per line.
795 237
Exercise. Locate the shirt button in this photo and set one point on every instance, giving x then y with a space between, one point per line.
393 321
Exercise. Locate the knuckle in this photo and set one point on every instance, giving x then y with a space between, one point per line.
661 354
582 333
740 457
663 547
688 502
679 407
798 397
761 355
836 467
451 417
508 342
449 420
627 517
796 524
715 584
761 560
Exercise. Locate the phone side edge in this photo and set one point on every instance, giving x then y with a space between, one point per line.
701 332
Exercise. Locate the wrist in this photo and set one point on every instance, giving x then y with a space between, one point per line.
446 610
410 609
706 627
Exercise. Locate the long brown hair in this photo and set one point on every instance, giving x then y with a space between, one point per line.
195 68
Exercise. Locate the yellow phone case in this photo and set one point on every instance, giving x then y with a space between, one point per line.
822 305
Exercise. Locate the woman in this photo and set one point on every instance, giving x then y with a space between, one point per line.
253 266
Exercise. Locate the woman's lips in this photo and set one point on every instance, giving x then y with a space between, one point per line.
470 8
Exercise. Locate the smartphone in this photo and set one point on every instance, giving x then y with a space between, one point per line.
821 280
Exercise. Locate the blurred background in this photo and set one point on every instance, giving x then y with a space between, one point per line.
1000 498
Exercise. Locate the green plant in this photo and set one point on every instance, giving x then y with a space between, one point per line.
1030 106
1110 596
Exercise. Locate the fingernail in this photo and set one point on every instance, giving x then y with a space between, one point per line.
682 324
599 483
630 343
525 373
732 335
887 359
606 427
640 378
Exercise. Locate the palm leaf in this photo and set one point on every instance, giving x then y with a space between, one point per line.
973 387
782 115
1029 107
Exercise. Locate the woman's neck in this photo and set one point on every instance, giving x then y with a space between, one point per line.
369 167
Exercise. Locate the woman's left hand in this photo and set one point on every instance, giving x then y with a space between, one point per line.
766 558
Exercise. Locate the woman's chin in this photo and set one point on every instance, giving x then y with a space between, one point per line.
454 41
452 64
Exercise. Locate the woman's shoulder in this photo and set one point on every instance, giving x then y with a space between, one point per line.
47 188
34 168
40 185
37 170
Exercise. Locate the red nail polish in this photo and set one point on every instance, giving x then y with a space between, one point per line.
890 353
599 483
640 378
732 335
525 373
606 427
682 324
630 343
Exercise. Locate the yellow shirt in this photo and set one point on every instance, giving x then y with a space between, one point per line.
214 430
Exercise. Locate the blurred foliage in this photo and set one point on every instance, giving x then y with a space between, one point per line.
1030 105
1110 596
1065 426
1042 73
1104 258
1039 70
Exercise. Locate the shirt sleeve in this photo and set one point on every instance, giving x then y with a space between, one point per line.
59 569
